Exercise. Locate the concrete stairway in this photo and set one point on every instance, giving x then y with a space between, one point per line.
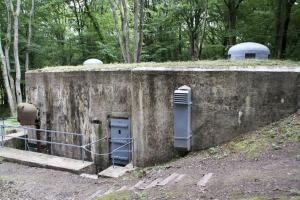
46 161
143 185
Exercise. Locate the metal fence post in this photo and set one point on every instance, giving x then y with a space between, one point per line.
1 135
132 153
113 162
25 139
82 150
2 132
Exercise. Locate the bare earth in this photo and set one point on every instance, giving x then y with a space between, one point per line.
272 172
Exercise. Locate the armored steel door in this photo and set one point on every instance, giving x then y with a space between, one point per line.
120 141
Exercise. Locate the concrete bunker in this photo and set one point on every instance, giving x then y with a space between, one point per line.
248 50
227 101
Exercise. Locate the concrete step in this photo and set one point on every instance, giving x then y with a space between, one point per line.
204 180
146 184
46 161
116 171
143 185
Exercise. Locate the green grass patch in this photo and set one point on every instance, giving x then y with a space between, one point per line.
196 64
11 122
122 195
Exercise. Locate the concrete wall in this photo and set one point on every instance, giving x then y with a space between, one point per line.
226 103
72 101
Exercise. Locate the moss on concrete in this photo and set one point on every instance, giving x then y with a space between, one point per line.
207 64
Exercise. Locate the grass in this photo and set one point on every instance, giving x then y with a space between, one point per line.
123 195
11 122
254 144
197 64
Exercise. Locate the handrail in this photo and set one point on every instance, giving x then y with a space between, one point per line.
42 130
83 147
95 141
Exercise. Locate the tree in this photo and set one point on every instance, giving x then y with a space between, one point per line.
283 13
123 32
232 7
16 14
194 13
29 35
12 87
8 88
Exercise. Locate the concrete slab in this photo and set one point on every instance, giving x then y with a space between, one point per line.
90 176
116 171
152 184
168 179
179 178
46 161
12 136
138 184
204 180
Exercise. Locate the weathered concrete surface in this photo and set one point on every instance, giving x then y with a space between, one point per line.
226 102
46 161
116 171
72 101
10 141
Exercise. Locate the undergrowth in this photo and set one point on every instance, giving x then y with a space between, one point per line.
254 144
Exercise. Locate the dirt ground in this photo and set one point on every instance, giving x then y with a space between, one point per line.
264 164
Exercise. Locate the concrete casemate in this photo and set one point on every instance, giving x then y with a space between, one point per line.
227 101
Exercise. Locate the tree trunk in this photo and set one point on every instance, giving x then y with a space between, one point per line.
7 47
232 26
284 8
114 12
29 36
141 30
125 28
194 47
232 6
136 31
8 89
16 52
203 30
93 20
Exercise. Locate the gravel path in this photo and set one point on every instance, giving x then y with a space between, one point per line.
274 175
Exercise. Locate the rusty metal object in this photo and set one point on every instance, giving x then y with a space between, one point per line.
27 114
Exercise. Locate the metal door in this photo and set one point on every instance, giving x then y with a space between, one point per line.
120 141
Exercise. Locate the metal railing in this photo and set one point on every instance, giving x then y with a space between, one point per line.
131 142
83 147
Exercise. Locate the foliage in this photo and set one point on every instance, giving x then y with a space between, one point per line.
69 32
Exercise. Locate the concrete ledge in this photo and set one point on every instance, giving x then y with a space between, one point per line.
46 161
10 141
